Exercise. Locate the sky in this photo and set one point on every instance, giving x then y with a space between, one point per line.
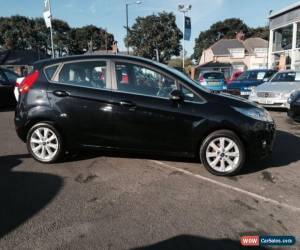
110 14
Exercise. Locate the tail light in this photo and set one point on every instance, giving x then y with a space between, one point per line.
28 81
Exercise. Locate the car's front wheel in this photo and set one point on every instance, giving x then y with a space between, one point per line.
222 153
44 143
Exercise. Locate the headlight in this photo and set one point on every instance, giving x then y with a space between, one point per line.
255 113
253 92
292 96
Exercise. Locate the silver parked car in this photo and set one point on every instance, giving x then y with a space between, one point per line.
276 92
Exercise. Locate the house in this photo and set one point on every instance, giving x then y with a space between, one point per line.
284 47
235 55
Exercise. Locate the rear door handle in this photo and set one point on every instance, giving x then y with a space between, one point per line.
127 104
61 93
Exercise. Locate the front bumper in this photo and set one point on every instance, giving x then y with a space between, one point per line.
270 102
261 140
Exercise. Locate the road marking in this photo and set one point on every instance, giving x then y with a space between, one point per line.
254 195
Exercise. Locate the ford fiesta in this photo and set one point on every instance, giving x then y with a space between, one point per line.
86 102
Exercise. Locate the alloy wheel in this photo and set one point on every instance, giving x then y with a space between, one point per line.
222 155
44 144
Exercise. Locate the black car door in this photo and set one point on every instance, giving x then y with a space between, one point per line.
6 90
143 115
81 93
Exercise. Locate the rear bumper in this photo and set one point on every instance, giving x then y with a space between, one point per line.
239 92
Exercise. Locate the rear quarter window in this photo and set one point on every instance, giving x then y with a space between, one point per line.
50 71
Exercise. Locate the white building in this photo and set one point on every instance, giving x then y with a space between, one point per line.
284 45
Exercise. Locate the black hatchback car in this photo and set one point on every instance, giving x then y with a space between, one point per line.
124 102
294 106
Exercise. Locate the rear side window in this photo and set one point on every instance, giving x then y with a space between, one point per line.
2 78
50 71
88 74
213 75
252 75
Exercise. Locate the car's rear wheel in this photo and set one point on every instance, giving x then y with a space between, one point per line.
222 153
44 143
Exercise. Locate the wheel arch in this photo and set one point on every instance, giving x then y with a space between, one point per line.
32 122
218 128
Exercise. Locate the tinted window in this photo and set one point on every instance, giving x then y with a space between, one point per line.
90 74
269 74
190 95
12 77
2 78
141 80
213 75
50 71
286 77
252 75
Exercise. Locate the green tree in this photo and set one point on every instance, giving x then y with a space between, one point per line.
16 32
81 37
222 29
22 33
155 32
262 32
177 63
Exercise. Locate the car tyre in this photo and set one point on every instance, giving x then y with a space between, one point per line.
222 153
44 143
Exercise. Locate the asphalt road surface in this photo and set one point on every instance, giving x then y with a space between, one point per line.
128 201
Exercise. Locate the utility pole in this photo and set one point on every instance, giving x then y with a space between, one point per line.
127 25
157 54
184 9
48 21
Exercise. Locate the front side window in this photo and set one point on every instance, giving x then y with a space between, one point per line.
89 74
190 95
138 79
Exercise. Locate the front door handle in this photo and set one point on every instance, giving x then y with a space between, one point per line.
127 104
61 93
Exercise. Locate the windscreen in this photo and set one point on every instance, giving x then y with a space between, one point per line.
286 77
213 75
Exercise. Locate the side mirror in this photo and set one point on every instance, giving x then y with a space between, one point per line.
176 96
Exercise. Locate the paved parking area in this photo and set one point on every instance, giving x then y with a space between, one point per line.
121 201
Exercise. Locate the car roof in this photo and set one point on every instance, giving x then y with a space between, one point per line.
259 70
289 71
211 71
46 62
